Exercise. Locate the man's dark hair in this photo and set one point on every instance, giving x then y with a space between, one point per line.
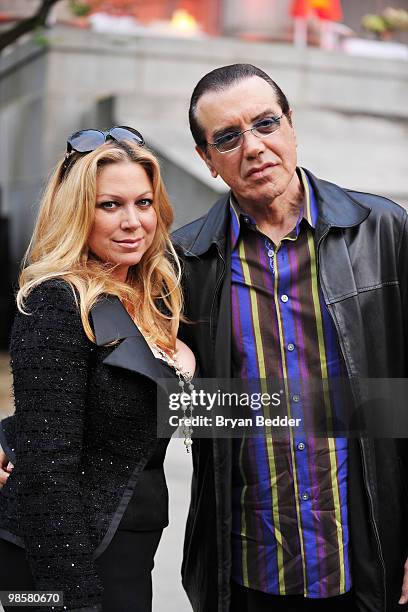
222 78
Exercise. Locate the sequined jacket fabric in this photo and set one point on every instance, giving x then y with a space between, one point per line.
85 426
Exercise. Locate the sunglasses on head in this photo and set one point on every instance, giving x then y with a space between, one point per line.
86 141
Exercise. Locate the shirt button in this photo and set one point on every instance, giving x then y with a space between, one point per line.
296 398
284 298
305 496
271 253
291 347
246 219
301 446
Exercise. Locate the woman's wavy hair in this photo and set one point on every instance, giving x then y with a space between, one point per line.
58 248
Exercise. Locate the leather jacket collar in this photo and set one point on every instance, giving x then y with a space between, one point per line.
334 211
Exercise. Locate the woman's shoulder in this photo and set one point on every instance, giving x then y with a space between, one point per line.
54 292
49 315
52 303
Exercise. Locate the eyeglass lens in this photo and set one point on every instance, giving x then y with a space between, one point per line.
86 140
264 128
125 133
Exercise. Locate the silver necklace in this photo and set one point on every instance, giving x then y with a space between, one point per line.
184 381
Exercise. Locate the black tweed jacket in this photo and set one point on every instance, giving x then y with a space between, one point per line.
85 427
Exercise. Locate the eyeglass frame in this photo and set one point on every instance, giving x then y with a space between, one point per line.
241 134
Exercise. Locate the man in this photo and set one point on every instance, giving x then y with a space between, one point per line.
292 277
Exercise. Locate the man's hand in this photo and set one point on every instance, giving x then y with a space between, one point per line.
6 467
404 590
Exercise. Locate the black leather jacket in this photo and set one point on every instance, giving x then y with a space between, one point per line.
362 243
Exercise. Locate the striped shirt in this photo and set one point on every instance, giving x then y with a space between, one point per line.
290 530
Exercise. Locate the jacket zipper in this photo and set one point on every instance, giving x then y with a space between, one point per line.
364 461
216 290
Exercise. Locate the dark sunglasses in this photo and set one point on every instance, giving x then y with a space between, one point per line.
86 141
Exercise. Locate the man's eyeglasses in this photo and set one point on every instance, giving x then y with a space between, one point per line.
86 141
233 140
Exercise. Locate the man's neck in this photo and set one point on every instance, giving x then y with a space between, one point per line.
277 218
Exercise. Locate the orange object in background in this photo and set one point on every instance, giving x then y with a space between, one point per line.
324 9
206 14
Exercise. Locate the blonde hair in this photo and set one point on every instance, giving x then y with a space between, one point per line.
58 247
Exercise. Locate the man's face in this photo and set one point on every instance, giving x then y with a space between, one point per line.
262 168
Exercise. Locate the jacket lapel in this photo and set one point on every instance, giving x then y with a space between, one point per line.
337 207
213 230
112 323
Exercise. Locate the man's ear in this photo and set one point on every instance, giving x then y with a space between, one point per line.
206 159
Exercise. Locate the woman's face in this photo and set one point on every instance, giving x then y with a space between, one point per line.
125 219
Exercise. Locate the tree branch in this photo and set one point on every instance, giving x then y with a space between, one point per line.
27 25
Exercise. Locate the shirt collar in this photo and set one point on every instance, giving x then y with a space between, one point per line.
238 217
308 212
310 201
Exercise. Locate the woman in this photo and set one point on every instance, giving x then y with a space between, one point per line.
99 307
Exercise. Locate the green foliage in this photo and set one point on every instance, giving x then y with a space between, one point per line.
79 8
40 37
374 23
396 19
390 20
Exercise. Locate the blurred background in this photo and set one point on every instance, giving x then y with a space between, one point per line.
66 65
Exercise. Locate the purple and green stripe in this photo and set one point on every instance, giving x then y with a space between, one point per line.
290 532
